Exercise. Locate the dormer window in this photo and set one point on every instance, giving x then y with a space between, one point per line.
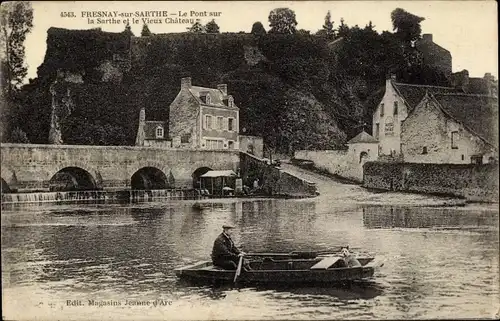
230 101
159 132
208 101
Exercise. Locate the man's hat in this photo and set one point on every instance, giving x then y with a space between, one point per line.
227 226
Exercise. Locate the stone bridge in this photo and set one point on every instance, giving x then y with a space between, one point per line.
29 167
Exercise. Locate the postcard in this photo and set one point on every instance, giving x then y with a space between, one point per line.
253 160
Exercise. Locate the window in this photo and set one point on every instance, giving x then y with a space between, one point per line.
377 130
159 132
230 124
463 156
185 138
231 144
424 150
476 159
208 122
395 108
381 109
219 123
454 140
208 100
215 144
230 101
389 126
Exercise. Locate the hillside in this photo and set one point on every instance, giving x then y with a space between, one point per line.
297 91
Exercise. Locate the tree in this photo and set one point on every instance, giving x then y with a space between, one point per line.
212 27
128 30
370 26
16 21
328 26
282 20
343 29
327 31
197 27
406 25
145 31
258 29
18 136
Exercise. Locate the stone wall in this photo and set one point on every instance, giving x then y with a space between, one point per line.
344 163
473 182
31 167
274 181
427 138
252 145
184 119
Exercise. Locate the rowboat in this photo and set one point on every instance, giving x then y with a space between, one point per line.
284 268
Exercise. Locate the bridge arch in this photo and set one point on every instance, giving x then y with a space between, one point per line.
72 179
150 178
197 175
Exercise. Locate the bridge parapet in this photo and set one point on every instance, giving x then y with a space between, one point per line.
28 167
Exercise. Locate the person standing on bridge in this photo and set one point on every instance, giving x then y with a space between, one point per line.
224 253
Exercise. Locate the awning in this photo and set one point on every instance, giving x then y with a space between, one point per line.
219 174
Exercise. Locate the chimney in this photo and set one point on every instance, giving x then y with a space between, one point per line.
427 37
186 82
223 88
139 139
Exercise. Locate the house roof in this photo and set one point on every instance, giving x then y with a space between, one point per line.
477 113
413 94
217 98
227 173
362 137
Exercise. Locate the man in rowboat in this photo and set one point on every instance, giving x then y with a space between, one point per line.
224 253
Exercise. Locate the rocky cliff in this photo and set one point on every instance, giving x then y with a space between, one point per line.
294 90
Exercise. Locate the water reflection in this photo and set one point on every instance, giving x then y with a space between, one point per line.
427 217
436 257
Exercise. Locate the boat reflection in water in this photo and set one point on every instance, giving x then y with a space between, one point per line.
365 290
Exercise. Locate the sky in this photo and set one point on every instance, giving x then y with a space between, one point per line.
468 29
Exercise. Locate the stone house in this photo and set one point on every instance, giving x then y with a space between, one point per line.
433 55
152 133
398 101
451 128
204 118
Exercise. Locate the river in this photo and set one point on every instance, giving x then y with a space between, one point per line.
441 260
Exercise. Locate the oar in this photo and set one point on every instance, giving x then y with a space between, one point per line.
238 270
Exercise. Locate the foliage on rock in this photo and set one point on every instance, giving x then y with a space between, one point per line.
308 91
